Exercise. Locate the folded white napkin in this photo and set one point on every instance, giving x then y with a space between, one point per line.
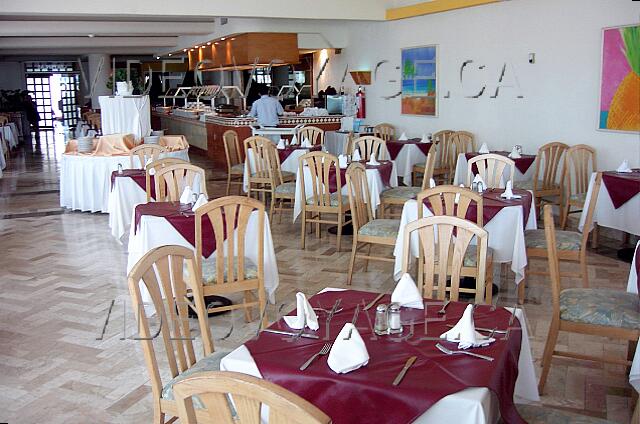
624 167
281 144
356 156
456 199
342 161
403 137
187 196
306 143
508 192
515 154
432 183
348 355
152 171
373 160
294 140
424 139
464 332
202 199
407 294
484 149
305 315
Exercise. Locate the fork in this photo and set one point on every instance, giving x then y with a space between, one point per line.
353 321
462 352
443 310
323 351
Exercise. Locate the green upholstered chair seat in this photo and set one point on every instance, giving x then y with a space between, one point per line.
533 414
400 193
579 197
334 199
611 308
209 270
565 240
286 188
380 228
528 185
471 255
237 168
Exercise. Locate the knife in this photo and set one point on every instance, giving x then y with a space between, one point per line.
373 302
291 333
404 370
485 329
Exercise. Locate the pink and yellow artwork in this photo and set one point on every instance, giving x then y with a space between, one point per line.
620 79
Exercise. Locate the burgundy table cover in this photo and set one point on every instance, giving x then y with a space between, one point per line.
622 187
286 152
394 146
366 395
385 169
137 175
523 163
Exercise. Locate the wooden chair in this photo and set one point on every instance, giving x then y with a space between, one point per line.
545 185
281 190
598 312
384 131
231 270
579 163
235 164
145 152
463 142
490 168
367 231
172 180
442 203
348 146
260 181
397 196
572 245
321 201
212 391
368 145
444 164
160 271
315 135
156 166
445 253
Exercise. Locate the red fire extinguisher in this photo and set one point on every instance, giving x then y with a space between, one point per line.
360 103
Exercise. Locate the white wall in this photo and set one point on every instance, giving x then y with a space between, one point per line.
11 75
560 90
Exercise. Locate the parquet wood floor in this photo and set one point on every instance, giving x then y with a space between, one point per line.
61 270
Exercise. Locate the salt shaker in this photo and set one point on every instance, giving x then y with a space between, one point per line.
480 187
119 168
393 314
381 326
519 148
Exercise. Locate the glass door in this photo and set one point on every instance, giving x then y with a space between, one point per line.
38 86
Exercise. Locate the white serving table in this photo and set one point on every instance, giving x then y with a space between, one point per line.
125 115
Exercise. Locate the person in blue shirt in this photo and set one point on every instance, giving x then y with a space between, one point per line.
266 109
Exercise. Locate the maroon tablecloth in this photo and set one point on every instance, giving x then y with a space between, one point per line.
492 203
366 395
284 153
394 146
385 169
622 187
522 164
137 175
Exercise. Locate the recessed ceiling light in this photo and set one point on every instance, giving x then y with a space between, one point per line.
170 54
196 47
216 43
158 57
223 39
184 50
91 35
192 49
208 43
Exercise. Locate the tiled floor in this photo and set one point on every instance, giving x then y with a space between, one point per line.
61 270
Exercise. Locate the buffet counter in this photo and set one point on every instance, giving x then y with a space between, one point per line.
194 130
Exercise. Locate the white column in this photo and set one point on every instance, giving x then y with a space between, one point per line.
99 83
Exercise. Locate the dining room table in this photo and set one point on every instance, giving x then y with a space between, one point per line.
524 167
406 154
505 221
438 387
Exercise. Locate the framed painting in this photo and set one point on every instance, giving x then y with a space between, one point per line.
620 79
419 81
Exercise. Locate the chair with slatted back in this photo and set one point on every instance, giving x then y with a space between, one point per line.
315 135
384 131
445 242
230 269
572 245
171 181
282 191
490 167
156 166
211 392
442 202
397 196
235 164
444 163
259 179
545 184
367 231
579 164
315 170
368 145
144 153
163 324
463 142
598 312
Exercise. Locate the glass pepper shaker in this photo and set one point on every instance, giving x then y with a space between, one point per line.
395 326
381 326
120 168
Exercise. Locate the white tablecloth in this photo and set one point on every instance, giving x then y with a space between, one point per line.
10 132
123 197
290 164
85 181
476 405
125 115
460 176
632 287
376 186
155 231
335 142
625 218
506 236
408 156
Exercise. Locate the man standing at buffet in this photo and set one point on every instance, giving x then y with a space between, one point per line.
266 109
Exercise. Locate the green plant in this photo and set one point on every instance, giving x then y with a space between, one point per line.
121 76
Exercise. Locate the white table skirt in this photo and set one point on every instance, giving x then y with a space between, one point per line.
290 164
632 287
85 181
408 156
506 237
155 231
475 405
336 142
123 198
125 115
10 133
374 180
460 176
625 218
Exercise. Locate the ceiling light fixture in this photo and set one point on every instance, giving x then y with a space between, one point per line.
170 54
216 43
196 47
232 39
184 50
223 39
192 49
158 57
91 35
208 43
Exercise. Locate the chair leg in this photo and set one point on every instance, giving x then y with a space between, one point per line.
594 236
522 286
339 232
272 209
583 270
304 228
228 183
352 262
247 310
366 261
548 353
489 284
318 226
564 214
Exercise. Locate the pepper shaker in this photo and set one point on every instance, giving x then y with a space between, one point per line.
120 168
395 326
381 326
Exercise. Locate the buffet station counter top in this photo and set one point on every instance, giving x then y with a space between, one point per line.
286 120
